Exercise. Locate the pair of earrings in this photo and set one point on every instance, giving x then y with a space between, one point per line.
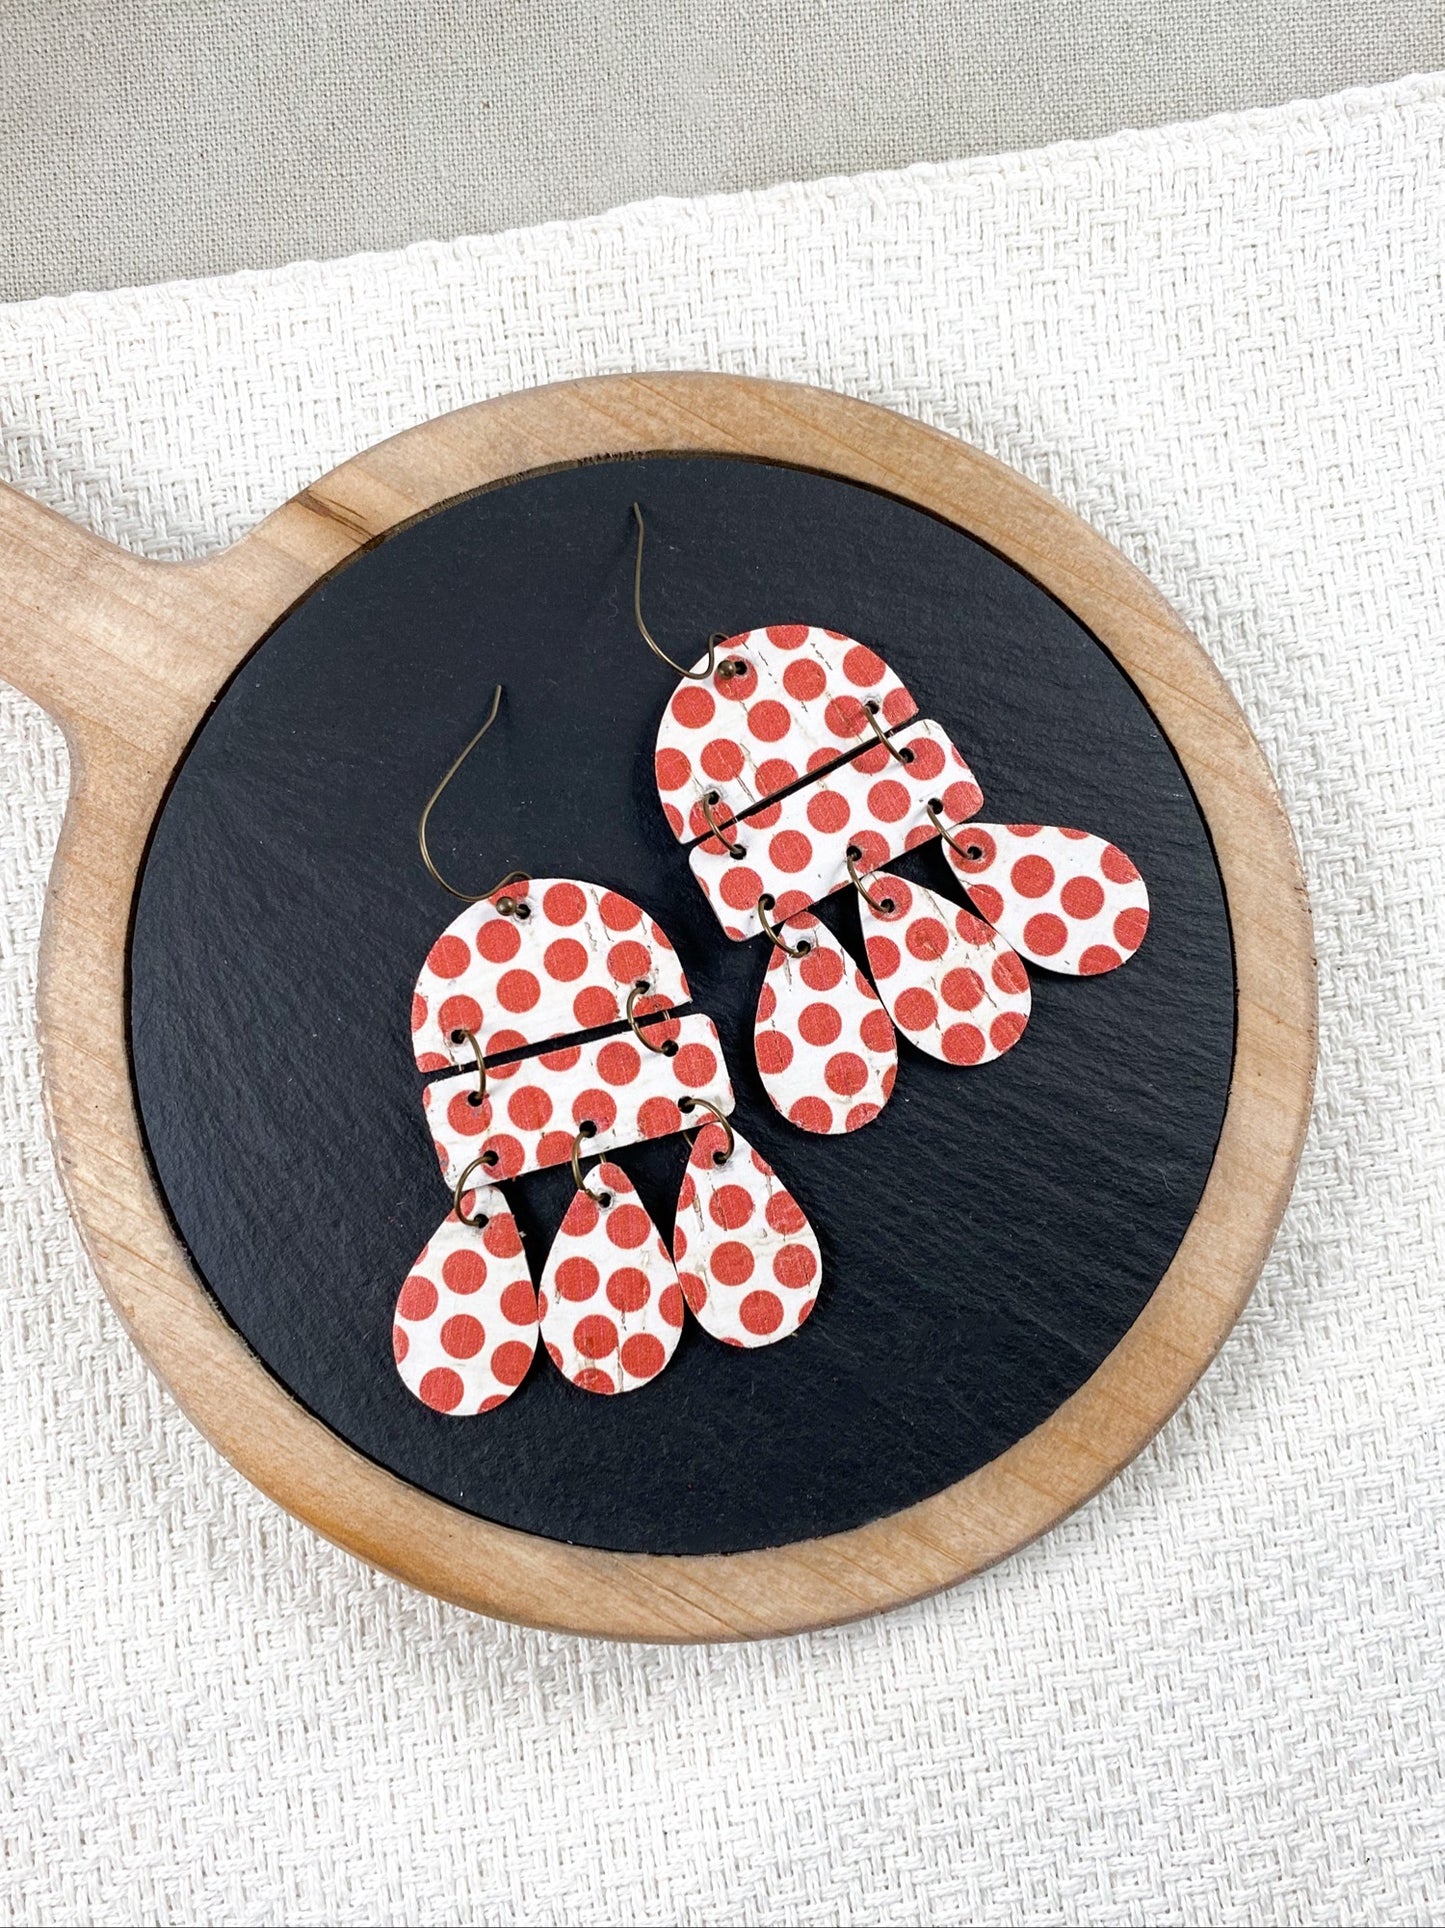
791 763
551 1020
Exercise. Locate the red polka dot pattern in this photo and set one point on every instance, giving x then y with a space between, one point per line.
823 1077
873 803
746 1256
1065 899
798 703
567 966
618 1321
466 1318
950 983
529 1117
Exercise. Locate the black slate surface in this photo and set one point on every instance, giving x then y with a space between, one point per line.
985 1242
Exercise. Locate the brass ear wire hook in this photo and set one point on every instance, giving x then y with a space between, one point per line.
706 1104
870 717
880 906
800 949
718 636
733 849
972 854
587 1130
487 1158
666 1050
508 906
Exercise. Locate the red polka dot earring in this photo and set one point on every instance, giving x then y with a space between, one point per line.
530 962
791 763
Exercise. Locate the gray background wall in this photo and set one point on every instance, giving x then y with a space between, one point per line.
146 139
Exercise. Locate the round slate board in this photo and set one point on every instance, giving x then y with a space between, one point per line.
986 1242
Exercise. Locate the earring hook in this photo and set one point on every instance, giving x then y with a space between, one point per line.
506 905
692 675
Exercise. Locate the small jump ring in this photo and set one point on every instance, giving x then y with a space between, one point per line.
870 717
972 854
880 906
479 1096
488 1158
598 1198
668 1049
800 949
733 849
692 1104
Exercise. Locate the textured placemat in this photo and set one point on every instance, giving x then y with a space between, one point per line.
1216 1695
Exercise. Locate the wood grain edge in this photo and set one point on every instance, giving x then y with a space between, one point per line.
129 655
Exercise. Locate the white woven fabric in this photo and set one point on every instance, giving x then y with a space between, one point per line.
1217 1695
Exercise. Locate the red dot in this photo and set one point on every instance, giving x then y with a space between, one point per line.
576 1278
775 773
464 1271
960 800
862 667
872 762
418 1298
658 1118
927 939
530 1108
619 913
693 707
564 903
561 1060
553 1148
1009 974
669 1305
767 1003
643 1356
822 968
695 1065
629 961
988 901
774 1052
618 1062
983 843
518 990
828 811
1129 928
927 759
1006 1030
876 1031
722 759
898 706
565 960
845 1074
900 895
595 1107
1082 897
795 1266
501 1237
430 1061
519 1303
740 684
761 1312
741 887
448 957
731 1262
963 1044
1032 876
510 1157
730 1207
1026 829
628 1226
441 1389
462 1336
418 1011
805 680
510 1361
888 801
916 1009
790 851
859 1116
672 767
593 1007
466 1119
595 1336
844 717
1045 934
784 1213
786 635
628 1288
820 1024
1097 959
1116 866
884 956
593 1379
400 1344
460 1014
812 1114
765 819
768 721
498 940
872 850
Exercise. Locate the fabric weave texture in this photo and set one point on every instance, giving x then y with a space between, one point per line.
1217 1694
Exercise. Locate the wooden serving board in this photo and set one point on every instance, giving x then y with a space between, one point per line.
130 656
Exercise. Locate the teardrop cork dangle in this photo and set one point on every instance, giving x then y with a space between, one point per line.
1069 901
949 981
747 1258
465 1327
825 1048
611 1306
